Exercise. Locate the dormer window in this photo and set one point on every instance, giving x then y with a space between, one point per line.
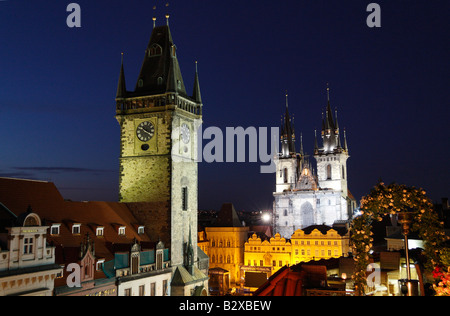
99 265
141 230
100 231
76 229
121 231
55 229
155 50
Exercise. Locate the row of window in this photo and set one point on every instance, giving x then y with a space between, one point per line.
279 263
142 289
274 263
55 230
307 252
302 243
221 244
220 259
273 249
328 159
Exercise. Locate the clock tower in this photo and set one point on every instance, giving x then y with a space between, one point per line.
158 156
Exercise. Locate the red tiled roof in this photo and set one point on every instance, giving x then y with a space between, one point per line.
46 201
291 281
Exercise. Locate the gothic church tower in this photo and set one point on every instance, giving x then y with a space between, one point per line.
332 157
303 196
288 161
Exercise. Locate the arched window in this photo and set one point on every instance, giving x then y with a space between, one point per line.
343 172
155 50
329 172
285 175
31 220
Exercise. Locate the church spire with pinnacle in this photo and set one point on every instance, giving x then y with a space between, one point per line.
196 95
121 87
287 133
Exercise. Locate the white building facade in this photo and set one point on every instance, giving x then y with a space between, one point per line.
306 195
27 262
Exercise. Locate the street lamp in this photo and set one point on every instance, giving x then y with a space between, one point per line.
266 217
409 287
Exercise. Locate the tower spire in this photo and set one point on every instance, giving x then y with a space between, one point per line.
287 100
301 144
345 141
316 145
328 92
288 134
121 87
196 95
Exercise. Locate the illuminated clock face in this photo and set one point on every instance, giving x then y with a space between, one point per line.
145 131
185 134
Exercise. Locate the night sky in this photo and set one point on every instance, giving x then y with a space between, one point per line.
389 84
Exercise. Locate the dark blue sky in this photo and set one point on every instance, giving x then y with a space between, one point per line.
390 85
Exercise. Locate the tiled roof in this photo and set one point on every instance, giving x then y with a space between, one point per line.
227 217
292 281
324 229
46 201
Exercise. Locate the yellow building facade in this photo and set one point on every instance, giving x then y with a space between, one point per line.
224 243
313 243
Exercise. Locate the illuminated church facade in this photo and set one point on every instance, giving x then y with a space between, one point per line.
306 195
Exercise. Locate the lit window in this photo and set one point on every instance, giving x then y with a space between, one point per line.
100 231
122 230
100 264
28 245
54 230
329 177
76 229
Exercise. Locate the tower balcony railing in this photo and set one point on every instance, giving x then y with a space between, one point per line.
139 104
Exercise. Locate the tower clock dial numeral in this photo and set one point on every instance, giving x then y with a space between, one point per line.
145 131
